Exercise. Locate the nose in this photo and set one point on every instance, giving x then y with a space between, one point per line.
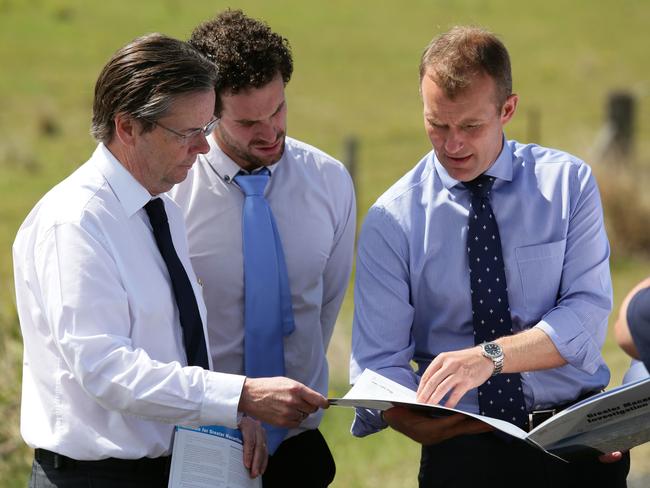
454 142
266 132
201 145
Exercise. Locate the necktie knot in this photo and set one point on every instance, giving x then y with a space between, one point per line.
253 184
156 211
480 186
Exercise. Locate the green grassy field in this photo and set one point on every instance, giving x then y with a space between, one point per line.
355 74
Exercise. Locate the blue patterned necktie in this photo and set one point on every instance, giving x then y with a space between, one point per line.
268 314
500 396
188 310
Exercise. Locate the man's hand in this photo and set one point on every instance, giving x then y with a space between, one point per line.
456 373
279 401
426 430
256 455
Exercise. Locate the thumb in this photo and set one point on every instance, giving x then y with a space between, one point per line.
314 398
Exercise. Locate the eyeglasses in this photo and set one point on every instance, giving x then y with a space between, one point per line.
189 134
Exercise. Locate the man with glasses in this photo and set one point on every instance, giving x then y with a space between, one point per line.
487 266
306 201
111 313
190 134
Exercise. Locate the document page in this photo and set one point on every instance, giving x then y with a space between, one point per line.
614 420
617 419
209 457
374 391
371 385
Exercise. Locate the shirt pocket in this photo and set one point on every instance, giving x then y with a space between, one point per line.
540 270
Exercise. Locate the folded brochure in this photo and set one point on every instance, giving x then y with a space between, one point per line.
615 420
210 456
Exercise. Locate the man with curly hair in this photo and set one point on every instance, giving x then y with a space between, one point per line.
311 199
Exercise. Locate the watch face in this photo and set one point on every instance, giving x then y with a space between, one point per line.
492 349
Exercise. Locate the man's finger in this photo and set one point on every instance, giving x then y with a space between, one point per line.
455 396
443 388
248 439
260 455
429 381
430 371
313 400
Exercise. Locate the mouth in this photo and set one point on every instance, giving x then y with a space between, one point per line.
458 159
270 148
188 164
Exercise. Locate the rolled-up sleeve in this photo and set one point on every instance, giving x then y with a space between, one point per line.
577 325
638 320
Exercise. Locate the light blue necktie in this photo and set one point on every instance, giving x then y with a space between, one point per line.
268 315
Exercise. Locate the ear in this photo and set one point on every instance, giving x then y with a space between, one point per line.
126 129
509 108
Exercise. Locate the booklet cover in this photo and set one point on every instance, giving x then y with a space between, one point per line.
614 420
209 457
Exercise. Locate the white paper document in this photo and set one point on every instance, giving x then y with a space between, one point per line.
614 420
209 457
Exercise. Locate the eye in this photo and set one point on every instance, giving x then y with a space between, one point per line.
436 125
247 123
279 110
189 134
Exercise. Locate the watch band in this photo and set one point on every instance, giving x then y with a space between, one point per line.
494 352
498 365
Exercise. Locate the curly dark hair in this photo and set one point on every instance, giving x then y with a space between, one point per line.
248 54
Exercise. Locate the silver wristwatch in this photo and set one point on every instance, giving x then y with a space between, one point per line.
493 351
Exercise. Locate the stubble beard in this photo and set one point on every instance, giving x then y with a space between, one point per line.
245 155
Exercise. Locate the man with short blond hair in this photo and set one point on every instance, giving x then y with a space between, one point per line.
487 266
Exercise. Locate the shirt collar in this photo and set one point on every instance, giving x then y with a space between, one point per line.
224 166
130 193
500 169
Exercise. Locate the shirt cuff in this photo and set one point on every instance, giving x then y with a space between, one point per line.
573 342
366 422
221 399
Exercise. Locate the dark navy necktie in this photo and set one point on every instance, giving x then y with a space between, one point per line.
501 396
268 313
188 310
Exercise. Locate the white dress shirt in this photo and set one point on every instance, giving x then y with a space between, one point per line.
104 371
312 199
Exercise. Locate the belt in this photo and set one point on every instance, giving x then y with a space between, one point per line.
142 465
538 417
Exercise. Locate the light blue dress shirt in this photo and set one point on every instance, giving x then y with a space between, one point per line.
412 297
